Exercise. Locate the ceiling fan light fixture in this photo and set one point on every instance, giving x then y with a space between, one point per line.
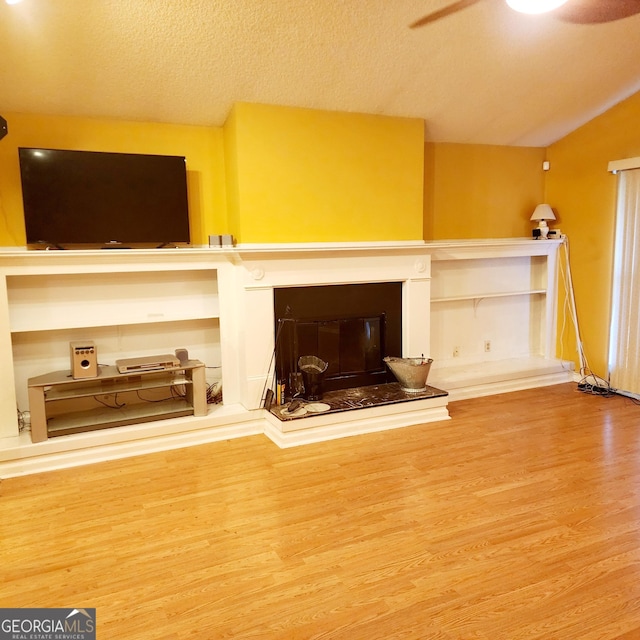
535 6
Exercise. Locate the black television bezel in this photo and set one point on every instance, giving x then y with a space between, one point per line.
155 232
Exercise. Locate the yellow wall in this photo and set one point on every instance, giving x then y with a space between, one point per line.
481 191
281 174
231 172
202 147
583 193
309 175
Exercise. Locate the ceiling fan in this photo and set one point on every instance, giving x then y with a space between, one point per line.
576 11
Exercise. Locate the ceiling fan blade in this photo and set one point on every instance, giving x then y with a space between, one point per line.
597 11
443 13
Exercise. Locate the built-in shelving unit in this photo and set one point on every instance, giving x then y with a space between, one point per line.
484 310
493 316
129 303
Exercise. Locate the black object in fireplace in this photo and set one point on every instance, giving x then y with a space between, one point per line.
351 327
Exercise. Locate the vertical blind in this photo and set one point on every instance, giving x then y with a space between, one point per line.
624 341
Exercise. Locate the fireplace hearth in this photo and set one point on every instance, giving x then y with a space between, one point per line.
354 398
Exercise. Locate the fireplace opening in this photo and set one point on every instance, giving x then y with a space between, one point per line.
352 327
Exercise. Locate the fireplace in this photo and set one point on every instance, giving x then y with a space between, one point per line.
269 271
352 327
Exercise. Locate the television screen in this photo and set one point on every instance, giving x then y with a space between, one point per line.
91 197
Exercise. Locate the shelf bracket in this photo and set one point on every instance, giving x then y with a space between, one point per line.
476 302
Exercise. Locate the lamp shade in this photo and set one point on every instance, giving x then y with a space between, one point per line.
543 212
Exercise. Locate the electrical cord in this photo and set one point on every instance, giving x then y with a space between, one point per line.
116 405
23 421
590 382
214 393
214 389
174 394
569 307
596 386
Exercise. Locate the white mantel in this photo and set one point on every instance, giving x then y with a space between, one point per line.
264 269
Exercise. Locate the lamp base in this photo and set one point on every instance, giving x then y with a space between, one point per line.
543 229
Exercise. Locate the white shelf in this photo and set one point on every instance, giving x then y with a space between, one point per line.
499 294
46 302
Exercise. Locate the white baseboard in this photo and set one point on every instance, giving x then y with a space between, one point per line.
474 380
19 456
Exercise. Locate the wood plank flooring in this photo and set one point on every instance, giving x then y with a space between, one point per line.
519 518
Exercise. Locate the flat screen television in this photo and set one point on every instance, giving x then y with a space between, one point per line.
100 198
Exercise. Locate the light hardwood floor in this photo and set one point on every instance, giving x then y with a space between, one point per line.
519 518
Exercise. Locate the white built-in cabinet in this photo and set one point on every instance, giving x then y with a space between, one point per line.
484 310
129 303
493 315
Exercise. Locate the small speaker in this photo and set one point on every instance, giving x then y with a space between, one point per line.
84 359
182 355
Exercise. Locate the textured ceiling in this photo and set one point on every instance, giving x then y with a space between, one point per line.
485 74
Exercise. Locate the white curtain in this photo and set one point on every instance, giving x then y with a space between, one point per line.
624 345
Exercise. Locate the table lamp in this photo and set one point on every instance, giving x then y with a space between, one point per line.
542 213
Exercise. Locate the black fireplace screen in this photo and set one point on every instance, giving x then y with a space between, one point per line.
351 327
